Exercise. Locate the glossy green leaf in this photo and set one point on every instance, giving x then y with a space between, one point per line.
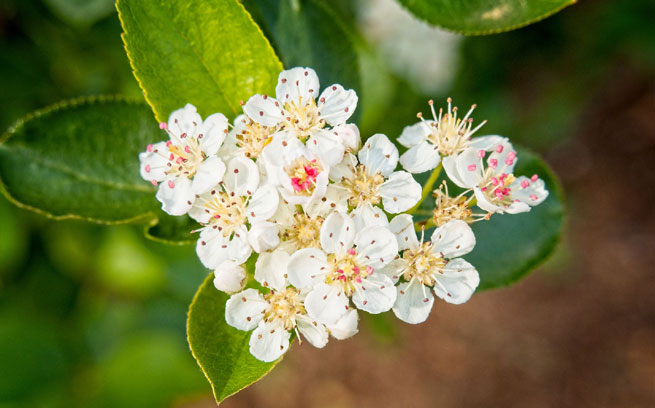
479 17
509 246
221 350
308 33
80 160
208 53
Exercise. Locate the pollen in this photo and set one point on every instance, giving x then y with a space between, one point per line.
364 189
449 208
227 212
448 133
303 118
253 138
305 232
347 272
422 263
303 174
284 306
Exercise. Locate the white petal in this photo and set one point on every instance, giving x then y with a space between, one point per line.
264 110
337 233
453 239
242 176
229 277
403 227
306 266
209 173
379 154
198 211
414 134
245 310
269 341
501 154
378 294
336 199
271 269
458 282
326 303
450 165
328 145
263 236
376 246
488 142
239 249
346 326
213 131
484 203
297 85
400 192
414 302
185 120
336 104
263 204
212 247
469 167
393 270
533 194
420 158
153 163
349 135
345 169
176 196
368 216
279 147
315 333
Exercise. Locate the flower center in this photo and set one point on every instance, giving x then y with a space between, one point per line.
305 232
450 208
303 174
254 138
422 263
448 133
228 212
184 160
496 188
347 272
283 307
363 189
303 118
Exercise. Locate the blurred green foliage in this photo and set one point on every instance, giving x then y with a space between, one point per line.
95 316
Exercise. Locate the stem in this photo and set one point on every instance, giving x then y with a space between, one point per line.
427 188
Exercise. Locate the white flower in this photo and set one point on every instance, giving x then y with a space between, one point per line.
296 113
226 211
345 267
187 164
446 135
431 265
373 181
274 315
496 189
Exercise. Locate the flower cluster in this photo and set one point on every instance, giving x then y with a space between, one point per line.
328 219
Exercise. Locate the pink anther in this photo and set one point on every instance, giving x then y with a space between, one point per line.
163 125
471 167
534 178
149 148
171 184
499 149
481 153
525 183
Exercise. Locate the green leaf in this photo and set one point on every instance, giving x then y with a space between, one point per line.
309 33
173 230
208 53
480 17
79 159
511 245
221 350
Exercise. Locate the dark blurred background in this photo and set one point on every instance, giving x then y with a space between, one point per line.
94 316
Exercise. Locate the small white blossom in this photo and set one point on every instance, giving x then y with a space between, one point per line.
186 165
234 216
431 265
496 188
297 115
345 267
370 179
